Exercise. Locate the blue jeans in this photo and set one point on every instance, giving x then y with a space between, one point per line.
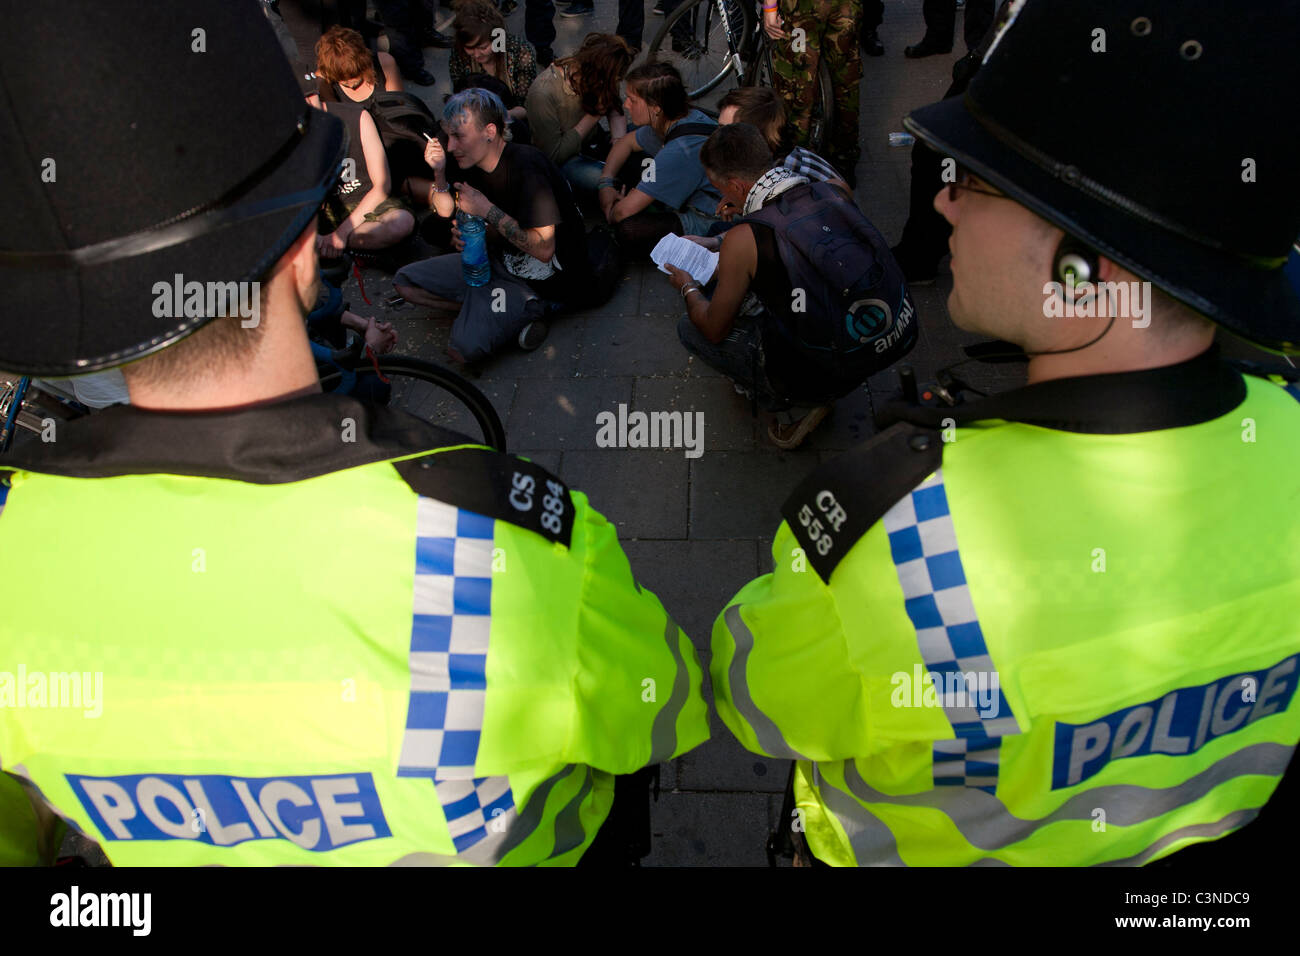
694 222
739 357
583 173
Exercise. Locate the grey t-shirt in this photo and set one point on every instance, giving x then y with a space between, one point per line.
679 180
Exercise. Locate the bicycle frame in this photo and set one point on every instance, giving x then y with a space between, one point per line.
14 405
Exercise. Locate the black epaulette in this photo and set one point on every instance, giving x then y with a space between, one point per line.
497 486
839 502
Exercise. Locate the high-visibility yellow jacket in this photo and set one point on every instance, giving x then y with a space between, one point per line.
317 632
1060 631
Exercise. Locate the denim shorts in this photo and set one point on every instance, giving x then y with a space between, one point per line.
695 223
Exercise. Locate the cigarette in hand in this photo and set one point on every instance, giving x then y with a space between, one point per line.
428 137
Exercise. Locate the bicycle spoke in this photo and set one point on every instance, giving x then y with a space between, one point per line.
701 40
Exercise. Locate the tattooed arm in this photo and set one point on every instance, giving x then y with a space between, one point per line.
538 243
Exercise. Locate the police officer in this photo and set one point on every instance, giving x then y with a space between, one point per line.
290 627
1057 625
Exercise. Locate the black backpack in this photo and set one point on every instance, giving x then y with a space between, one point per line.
857 316
605 264
403 120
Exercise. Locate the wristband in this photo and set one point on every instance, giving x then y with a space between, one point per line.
772 9
688 289
606 181
446 188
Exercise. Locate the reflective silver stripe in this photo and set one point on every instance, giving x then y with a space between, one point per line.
1207 830
663 735
769 735
569 833
986 823
495 846
872 841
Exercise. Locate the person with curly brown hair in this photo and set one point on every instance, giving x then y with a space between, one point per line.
566 103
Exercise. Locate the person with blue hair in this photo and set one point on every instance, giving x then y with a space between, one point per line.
537 245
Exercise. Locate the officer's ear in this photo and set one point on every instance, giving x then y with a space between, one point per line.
299 266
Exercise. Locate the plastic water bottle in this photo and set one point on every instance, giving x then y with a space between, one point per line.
901 139
474 257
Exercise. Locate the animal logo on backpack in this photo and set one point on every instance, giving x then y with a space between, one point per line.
872 320
868 318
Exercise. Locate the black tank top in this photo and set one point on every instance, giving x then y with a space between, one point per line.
772 285
771 278
350 190
381 82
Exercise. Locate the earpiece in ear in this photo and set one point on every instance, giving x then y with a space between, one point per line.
1076 265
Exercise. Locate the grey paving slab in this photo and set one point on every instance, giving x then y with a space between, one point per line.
739 494
626 300
722 764
694 579
728 422
658 297
711 829
643 491
632 345
561 413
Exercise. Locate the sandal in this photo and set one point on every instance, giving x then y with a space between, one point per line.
792 435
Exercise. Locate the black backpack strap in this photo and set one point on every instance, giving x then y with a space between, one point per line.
690 129
839 502
495 485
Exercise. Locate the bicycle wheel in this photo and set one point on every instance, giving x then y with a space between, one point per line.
705 40
823 112
436 394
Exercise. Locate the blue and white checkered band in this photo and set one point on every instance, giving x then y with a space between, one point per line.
938 601
967 762
448 662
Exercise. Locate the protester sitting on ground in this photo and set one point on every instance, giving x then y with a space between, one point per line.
673 194
363 214
567 101
536 241
350 72
480 49
793 337
761 107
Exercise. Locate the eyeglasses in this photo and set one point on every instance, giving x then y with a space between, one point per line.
964 177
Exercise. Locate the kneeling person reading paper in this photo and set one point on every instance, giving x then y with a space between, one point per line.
809 300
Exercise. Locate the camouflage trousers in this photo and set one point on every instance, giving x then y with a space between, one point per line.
829 31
